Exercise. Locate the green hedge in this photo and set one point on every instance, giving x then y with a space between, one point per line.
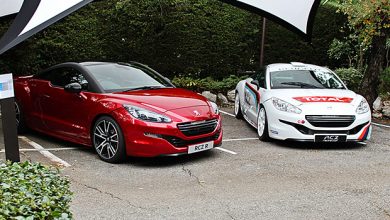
197 37
385 83
351 77
33 191
208 83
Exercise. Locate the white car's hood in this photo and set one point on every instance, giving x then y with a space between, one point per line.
320 101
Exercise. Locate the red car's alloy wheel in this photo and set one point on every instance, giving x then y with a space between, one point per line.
17 112
108 140
20 123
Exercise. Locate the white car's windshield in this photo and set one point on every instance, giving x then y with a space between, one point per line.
305 79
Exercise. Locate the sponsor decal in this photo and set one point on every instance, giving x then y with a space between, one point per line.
6 86
324 99
331 138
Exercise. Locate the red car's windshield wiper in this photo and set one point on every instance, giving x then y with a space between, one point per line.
146 88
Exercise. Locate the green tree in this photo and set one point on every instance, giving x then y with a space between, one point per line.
370 22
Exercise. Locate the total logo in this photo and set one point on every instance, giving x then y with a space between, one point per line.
324 99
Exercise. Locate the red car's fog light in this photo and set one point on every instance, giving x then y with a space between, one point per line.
152 135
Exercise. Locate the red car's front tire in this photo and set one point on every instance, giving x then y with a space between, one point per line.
108 140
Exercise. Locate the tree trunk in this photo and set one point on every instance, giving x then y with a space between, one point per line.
370 83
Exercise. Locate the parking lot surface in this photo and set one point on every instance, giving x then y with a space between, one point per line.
245 179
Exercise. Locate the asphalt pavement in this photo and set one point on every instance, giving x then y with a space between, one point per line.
244 179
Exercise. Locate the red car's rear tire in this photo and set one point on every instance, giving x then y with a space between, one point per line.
20 121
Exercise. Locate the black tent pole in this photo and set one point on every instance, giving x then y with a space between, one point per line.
263 42
8 117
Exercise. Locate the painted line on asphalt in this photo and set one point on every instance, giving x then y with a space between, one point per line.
38 150
232 140
227 113
380 125
227 151
45 152
240 139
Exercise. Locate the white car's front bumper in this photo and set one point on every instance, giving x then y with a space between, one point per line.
290 126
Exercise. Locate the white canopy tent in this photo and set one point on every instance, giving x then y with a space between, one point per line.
296 15
35 15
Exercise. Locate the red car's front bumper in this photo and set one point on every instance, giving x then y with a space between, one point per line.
144 139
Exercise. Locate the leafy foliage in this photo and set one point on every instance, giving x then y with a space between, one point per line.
33 191
351 77
385 85
369 27
367 18
208 83
196 37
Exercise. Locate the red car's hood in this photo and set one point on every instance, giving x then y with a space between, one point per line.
163 100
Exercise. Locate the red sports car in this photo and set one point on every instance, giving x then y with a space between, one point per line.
118 108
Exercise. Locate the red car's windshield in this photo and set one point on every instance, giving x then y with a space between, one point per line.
118 77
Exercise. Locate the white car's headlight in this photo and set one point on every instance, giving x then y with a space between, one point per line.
146 115
214 107
285 106
363 107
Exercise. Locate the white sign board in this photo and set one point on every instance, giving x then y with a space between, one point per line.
6 86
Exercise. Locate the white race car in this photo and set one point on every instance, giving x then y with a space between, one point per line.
302 102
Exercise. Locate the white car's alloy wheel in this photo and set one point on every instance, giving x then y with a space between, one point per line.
262 125
237 107
261 122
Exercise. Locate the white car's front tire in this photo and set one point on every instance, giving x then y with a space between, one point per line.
262 125
237 107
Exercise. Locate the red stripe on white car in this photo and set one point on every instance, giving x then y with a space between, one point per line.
324 99
364 134
255 91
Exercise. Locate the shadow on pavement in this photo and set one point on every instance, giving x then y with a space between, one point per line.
319 146
167 161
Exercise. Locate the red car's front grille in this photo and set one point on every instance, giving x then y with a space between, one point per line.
178 142
198 128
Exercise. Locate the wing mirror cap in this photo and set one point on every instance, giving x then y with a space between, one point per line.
256 83
73 88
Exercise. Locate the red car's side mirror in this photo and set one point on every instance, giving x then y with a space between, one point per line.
73 88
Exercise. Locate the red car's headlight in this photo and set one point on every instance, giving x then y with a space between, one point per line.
214 107
146 115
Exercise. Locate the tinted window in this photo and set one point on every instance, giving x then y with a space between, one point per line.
118 77
63 76
261 78
306 79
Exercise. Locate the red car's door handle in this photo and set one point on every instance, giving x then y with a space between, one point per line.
46 96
